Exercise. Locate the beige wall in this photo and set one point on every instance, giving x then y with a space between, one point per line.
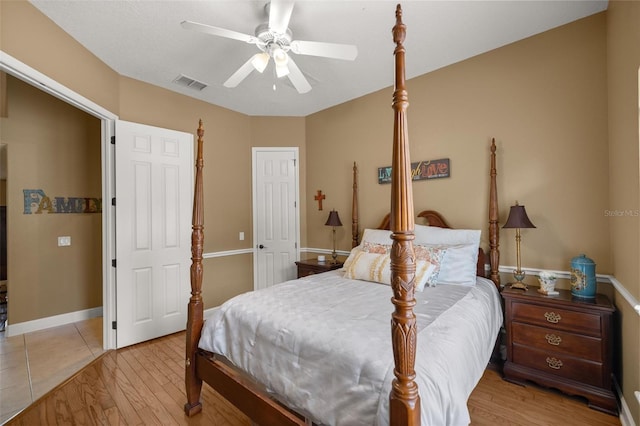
558 104
226 150
623 60
566 126
54 147
228 139
544 99
33 39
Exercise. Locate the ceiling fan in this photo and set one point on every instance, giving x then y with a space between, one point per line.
275 40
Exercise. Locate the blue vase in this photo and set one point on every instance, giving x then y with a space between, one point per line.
583 277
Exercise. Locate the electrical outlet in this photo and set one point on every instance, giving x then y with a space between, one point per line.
241 236
64 241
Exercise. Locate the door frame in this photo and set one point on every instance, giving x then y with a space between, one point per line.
254 195
24 72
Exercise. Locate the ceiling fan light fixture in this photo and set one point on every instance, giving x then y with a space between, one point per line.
274 39
279 56
260 61
282 70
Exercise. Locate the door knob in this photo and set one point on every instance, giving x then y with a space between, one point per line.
261 246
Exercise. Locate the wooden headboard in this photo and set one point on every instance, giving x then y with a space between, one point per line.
435 219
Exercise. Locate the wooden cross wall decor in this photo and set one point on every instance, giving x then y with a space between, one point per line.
319 199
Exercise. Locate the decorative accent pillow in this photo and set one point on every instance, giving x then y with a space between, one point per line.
424 271
431 254
459 265
369 267
375 247
370 238
352 255
376 267
434 256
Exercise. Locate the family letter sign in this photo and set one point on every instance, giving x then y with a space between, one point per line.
36 201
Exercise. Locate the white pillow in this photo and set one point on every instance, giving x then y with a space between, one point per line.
459 265
377 236
445 236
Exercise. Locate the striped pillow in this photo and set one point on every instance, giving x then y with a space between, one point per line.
375 267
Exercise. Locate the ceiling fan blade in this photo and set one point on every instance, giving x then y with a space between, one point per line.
221 32
242 73
327 50
279 15
297 78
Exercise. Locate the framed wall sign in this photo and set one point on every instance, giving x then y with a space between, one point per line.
420 170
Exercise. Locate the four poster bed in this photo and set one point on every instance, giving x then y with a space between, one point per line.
319 348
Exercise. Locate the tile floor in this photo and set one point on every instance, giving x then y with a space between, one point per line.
32 364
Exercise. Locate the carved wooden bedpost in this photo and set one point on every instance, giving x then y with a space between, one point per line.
194 323
404 399
494 235
354 208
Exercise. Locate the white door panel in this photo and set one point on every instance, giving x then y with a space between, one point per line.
154 183
276 221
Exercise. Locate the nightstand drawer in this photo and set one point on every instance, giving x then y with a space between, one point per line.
547 339
558 364
555 318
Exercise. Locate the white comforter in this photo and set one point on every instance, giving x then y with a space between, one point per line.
322 345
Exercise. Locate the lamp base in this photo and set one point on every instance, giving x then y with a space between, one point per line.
518 285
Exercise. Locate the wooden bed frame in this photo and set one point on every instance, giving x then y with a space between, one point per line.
404 407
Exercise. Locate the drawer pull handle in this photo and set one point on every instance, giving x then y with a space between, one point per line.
552 317
554 363
552 339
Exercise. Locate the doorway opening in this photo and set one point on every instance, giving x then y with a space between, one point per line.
107 119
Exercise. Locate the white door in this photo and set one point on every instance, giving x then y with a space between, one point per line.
276 217
154 183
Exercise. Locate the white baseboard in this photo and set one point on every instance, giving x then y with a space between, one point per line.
54 321
626 419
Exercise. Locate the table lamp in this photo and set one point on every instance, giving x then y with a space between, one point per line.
518 219
333 221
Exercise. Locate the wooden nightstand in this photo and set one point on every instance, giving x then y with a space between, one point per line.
312 266
561 342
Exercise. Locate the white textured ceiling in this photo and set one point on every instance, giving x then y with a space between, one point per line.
144 40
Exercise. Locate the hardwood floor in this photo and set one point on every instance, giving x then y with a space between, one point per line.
32 364
144 384
140 384
497 402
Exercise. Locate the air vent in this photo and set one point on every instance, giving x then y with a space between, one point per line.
189 82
